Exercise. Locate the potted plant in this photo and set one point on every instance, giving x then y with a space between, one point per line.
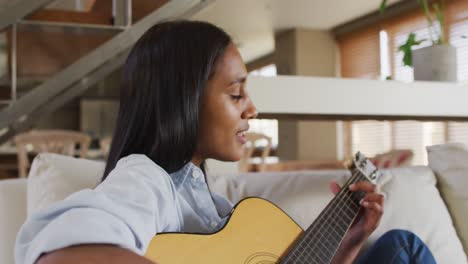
436 62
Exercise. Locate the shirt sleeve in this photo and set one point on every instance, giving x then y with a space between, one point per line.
127 209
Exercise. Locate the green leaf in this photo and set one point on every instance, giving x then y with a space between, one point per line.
407 49
440 18
383 6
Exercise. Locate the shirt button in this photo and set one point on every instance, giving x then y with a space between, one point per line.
214 225
196 174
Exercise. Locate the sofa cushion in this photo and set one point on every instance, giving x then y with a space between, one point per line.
12 215
450 164
53 177
412 202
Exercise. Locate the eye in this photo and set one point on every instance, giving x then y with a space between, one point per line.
237 97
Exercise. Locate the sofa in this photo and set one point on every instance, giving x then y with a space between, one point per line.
430 201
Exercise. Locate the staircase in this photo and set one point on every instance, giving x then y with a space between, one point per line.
21 113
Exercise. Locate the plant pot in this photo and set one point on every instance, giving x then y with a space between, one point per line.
435 63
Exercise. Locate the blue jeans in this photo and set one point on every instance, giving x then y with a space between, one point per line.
398 246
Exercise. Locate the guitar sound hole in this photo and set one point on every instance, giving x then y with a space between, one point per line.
262 258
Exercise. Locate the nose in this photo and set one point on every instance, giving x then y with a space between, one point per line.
250 111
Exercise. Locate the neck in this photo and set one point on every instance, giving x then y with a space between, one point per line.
320 241
197 161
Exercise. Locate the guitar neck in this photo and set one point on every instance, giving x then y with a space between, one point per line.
319 243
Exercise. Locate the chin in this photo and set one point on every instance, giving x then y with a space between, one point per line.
229 157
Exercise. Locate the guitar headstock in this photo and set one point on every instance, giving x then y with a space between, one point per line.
365 167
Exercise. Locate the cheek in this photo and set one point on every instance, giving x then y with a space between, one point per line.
220 128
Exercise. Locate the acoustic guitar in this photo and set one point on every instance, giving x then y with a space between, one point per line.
258 232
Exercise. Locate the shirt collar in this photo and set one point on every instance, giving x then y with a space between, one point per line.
188 171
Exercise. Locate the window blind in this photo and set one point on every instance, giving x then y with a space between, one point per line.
375 137
371 137
359 54
457 13
360 58
412 135
458 132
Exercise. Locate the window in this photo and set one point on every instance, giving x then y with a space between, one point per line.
457 132
371 137
359 60
268 127
412 135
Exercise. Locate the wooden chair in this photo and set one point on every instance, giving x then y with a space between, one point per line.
54 141
249 147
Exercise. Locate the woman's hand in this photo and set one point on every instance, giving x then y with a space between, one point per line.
369 217
366 222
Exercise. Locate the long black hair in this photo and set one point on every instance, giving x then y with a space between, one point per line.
163 81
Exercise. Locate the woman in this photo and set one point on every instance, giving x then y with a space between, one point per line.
183 100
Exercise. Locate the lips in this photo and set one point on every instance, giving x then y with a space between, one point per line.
241 137
241 133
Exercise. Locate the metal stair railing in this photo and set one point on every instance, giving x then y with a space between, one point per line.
10 14
86 71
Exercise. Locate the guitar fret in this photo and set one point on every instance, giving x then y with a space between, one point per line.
327 239
346 210
332 223
320 253
299 257
338 220
320 250
340 213
319 242
305 248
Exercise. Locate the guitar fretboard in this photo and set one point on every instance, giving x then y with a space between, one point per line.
319 243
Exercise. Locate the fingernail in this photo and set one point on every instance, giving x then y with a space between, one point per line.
352 186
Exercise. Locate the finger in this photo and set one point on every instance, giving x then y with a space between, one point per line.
374 207
334 187
363 186
374 197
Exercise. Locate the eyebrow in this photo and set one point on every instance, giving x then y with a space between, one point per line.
238 80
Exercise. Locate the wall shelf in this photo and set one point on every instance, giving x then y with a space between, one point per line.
316 98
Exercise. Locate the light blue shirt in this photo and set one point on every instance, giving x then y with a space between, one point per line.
137 200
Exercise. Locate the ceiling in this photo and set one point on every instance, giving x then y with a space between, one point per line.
252 23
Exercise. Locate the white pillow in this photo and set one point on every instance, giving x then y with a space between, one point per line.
450 163
53 177
412 202
12 215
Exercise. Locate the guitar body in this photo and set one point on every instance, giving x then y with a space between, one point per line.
257 232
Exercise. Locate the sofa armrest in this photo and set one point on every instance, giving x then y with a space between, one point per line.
12 215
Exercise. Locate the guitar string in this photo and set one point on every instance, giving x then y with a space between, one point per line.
299 251
336 204
296 252
335 220
334 223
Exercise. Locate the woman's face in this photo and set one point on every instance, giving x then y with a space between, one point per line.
225 110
